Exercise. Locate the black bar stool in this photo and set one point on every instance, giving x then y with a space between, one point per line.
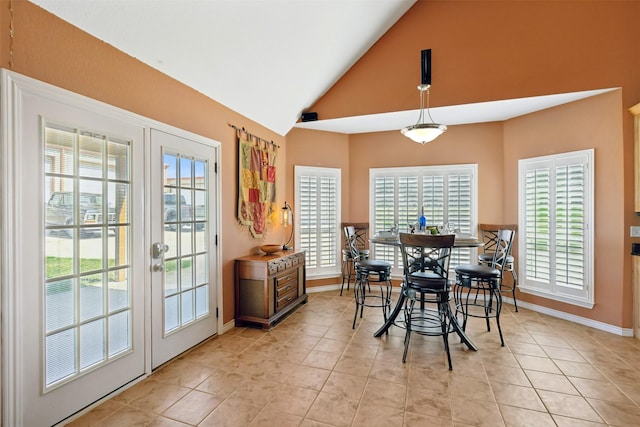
368 272
490 238
348 269
425 258
477 291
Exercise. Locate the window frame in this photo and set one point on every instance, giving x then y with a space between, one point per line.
315 271
551 289
383 251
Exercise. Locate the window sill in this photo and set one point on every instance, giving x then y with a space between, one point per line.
567 299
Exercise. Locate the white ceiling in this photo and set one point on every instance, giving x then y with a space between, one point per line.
269 60
266 59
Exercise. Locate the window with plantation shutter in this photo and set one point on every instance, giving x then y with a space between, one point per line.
317 218
446 193
555 244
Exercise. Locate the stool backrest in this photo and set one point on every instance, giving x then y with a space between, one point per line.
362 234
502 249
490 235
351 242
426 252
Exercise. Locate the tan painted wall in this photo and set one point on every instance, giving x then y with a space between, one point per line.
49 49
325 149
492 50
570 128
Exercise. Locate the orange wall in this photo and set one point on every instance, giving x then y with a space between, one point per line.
569 128
492 50
325 149
49 49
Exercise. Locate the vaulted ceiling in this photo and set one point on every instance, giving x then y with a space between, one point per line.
268 60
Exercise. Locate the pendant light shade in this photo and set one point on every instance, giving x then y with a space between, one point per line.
422 132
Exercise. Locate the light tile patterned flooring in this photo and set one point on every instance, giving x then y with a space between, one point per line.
313 370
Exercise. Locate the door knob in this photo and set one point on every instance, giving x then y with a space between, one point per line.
158 267
158 250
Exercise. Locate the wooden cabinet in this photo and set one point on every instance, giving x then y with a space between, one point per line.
268 287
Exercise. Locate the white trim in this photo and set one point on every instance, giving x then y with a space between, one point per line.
420 171
324 276
226 327
617 330
567 299
549 289
315 171
9 272
323 288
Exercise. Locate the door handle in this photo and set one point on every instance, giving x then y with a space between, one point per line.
158 267
158 250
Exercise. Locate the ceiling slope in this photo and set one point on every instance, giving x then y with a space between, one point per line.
268 60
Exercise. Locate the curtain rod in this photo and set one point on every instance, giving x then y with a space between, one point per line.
254 136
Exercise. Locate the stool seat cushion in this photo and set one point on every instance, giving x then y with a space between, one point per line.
374 265
427 280
478 271
488 257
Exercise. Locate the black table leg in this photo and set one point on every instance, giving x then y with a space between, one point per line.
400 304
463 337
392 316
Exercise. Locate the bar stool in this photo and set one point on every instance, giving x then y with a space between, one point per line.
477 290
425 259
368 272
348 270
490 238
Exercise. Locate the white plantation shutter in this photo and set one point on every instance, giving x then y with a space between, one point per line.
384 196
317 218
556 208
447 194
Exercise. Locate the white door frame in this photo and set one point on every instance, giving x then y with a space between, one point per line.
12 85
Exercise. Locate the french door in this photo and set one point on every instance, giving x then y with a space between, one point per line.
109 263
183 244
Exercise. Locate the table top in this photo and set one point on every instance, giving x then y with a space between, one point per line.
459 242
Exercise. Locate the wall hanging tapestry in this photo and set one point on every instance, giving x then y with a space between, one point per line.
257 181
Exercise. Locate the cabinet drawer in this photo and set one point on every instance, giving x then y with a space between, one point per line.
285 288
285 279
286 298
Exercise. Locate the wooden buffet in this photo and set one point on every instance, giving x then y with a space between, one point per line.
268 287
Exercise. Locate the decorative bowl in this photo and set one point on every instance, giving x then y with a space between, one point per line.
271 249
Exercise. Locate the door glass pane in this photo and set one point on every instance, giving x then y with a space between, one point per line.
92 343
185 201
87 245
119 332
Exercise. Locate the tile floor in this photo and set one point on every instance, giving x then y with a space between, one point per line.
314 370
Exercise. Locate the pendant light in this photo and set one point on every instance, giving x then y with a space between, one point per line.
423 132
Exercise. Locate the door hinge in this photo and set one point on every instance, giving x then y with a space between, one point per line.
217 313
215 167
216 240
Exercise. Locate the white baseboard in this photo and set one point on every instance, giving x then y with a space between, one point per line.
617 330
228 326
324 288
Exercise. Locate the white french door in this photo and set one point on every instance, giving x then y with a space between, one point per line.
183 232
73 277
108 248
